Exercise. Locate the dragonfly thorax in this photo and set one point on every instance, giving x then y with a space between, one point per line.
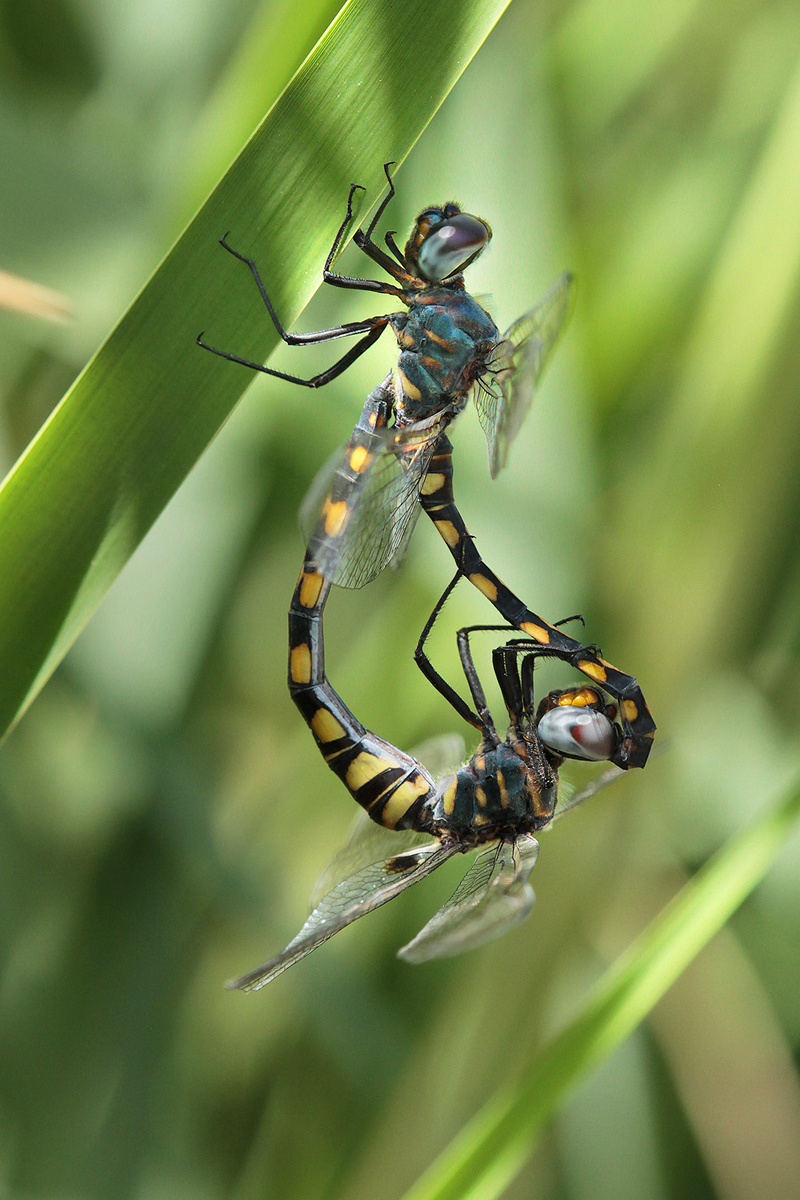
505 790
444 340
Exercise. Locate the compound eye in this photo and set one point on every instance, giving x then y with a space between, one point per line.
451 244
578 732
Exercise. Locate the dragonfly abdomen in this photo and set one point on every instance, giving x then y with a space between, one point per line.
391 786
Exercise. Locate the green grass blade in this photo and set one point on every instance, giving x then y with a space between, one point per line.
491 1149
279 36
90 485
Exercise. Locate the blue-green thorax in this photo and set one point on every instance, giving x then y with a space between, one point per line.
444 340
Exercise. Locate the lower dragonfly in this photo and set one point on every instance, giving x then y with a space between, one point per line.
399 459
505 793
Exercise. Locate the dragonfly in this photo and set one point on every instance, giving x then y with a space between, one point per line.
412 825
398 460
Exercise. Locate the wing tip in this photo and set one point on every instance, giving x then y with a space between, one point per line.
251 982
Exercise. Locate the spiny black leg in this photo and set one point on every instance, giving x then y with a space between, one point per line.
388 237
567 620
375 327
345 281
287 337
364 239
347 329
329 276
429 671
507 674
521 645
379 211
504 663
363 285
348 216
474 683
487 629
528 701
296 339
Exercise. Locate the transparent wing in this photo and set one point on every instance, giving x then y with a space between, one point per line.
399 555
367 843
567 803
492 898
368 889
505 393
442 754
382 502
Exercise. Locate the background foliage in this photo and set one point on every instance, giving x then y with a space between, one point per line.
164 812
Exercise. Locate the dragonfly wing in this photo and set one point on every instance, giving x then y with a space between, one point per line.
368 889
505 393
367 843
492 898
382 527
442 754
399 555
569 802
382 502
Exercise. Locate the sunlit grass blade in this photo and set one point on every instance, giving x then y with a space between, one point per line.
484 1158
127 433
279 36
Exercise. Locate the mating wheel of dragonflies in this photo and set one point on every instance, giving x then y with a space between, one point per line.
495 803
398 459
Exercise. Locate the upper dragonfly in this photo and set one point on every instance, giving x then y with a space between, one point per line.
399 458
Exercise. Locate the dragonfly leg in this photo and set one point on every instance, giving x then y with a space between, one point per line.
363 239
379 211
364 285
388 237
348 216
374 328
507 674
475 685
436 498
295 339
365 243
569 620
507 628
439 682
393 787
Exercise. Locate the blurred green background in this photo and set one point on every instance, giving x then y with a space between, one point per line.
164 811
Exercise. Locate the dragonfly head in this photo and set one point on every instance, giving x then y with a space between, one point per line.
444 241
576 724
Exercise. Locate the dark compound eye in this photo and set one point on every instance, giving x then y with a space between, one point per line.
451 244
578 732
